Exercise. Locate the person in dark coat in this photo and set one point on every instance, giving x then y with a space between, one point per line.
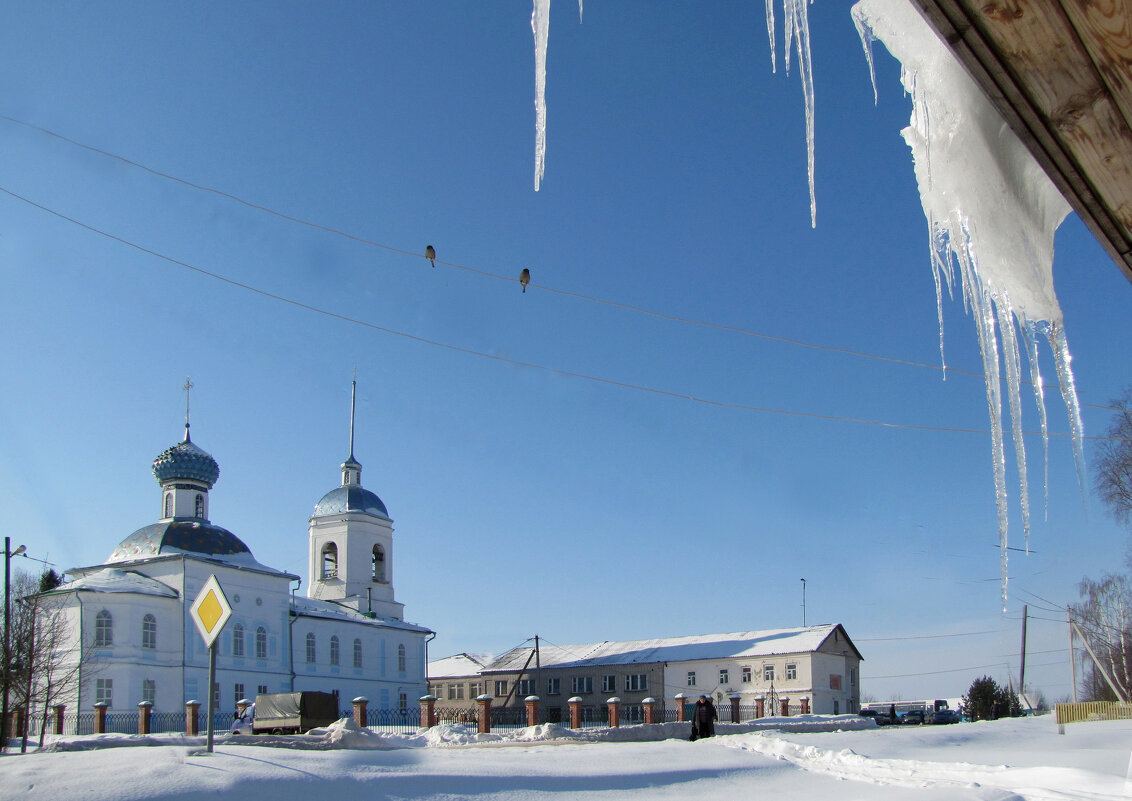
704 717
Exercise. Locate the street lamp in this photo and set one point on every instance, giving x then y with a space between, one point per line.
8 554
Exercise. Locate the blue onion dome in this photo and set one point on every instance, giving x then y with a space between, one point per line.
182 536
351 498
186 461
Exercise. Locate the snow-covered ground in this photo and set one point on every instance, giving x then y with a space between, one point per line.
811 758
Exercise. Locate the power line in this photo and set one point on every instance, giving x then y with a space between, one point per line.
926 636
495 357
615 304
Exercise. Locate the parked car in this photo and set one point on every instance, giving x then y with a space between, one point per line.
871 713
945 716
913 717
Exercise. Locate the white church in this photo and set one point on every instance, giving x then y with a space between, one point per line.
348 636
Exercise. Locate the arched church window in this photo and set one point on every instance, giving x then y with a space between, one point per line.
311 649
357 653
199 508
238 640
329 561
334 650
168 505
103 630
379 564
401 658
261 643
149 632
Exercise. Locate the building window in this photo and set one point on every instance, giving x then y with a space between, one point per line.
334 650
609 684
691 678
582 685
198 506
238 693
216 695
379 564
357 653
637 682
149 632
554 686
525 687
311 653
104 691
455 692
768 672
149 690
500 688
261 643
791 672
401 658
103 630
852 677
835 681
329 561
262 689
724 676
403 702
238 640
475 689
746 678
168 505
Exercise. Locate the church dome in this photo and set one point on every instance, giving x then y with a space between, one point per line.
182 536
186 461
351 498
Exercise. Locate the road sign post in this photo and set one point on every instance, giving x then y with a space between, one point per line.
210 611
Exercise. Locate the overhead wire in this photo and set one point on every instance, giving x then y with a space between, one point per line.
580 296
494 356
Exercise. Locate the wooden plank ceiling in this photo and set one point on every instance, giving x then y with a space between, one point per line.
1059 72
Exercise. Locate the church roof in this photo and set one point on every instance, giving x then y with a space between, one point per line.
183 536
313 607
186 461
351 498
111 579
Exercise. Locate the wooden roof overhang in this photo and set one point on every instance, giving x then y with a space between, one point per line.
1059 73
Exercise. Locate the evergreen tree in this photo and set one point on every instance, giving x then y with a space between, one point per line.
986 700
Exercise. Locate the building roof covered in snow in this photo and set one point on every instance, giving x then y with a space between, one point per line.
111 579
330 610
769 642
459 665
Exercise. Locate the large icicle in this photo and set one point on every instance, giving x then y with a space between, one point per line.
991 214
540 26
797 32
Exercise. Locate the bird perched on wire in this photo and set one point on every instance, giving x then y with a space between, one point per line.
430 254
524 279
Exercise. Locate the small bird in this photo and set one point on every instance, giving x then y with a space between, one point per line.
430 254
524 279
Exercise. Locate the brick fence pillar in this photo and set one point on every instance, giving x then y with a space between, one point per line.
100 718
805 706
735 708
681 707
145 710
361 711
785 707
484 704
192 719
57 712
650 710
760 707
614 705
575 705
428 711
532 709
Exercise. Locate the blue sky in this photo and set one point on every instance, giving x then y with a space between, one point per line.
527 501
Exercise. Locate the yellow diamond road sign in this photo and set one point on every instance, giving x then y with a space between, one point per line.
210 610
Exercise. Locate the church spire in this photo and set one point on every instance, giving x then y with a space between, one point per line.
188 386
351 468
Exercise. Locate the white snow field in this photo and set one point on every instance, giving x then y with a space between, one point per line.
806 759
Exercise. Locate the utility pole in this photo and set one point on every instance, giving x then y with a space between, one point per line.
803 603
7 668
1022 668
1072 656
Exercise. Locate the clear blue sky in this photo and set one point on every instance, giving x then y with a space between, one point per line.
526 501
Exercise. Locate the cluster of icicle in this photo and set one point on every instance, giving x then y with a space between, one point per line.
797 33
991 213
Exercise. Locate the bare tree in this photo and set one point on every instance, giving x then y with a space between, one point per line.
1104 617
1112 464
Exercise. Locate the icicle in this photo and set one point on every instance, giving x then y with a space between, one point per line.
866 42
540 26
991 213
580 12
797 30
770 33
